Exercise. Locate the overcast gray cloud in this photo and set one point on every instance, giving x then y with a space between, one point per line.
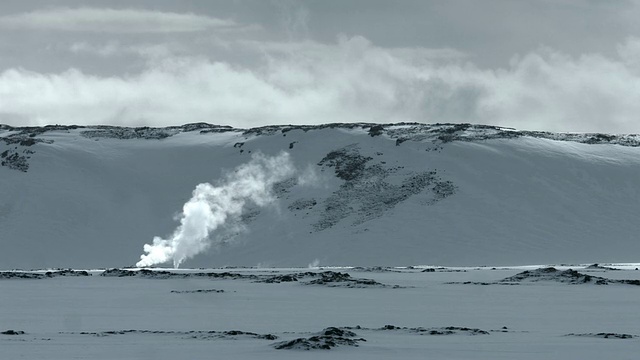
112 20
157 65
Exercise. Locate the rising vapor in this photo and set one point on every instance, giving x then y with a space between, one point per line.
211 206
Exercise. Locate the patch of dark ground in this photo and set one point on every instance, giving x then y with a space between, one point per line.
193 334
442 269
338 279
12 332
12 159
151 133
600 267
551 274
199 291
448 330
376 269
302 204
126 133
327 339
605 335
446 133
18 153
250 214
366 191
41 275
163 274
325 278
403 131
282 188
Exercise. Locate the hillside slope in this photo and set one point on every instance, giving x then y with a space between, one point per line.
402 194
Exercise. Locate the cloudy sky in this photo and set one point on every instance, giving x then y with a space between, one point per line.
556 65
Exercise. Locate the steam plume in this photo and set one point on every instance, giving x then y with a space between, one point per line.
211 206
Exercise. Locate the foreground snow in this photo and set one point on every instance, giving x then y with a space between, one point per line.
243 313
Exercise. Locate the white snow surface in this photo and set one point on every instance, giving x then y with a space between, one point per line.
97 317
92 197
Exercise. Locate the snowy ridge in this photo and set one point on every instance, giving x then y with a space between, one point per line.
377 195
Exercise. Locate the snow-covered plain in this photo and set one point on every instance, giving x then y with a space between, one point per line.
91 317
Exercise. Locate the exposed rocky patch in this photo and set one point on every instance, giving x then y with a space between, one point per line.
250 214
162 274
605 335
14 161
367 193
325 278
204 335
303 204
20 275
375 269
551 274
447 133
18 152
204 128
347 162
436 133
449 330
276 279
41 275
12 332
338 279
376 130
281 188
283 129
199 291
327 339
126 133
600 267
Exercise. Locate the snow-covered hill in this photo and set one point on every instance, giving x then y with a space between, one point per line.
363 194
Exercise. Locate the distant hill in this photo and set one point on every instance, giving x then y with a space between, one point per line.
392 195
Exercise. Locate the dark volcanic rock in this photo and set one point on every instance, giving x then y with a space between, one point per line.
126 133
605 335
163 274
280 278
203 335
14 161
449 330
367 194
327 339
66 272
599 267
552 274
338 279
12 332
199 291
326 278
20 275
347 162
118 273
37 275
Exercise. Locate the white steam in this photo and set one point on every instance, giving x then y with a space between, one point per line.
211 206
